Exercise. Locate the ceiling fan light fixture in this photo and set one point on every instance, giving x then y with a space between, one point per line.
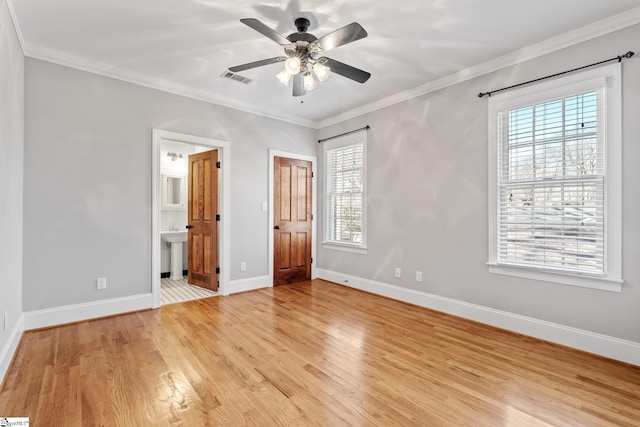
292 65
284 77
309 82
321 71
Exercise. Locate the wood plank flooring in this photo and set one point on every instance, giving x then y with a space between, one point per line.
313 353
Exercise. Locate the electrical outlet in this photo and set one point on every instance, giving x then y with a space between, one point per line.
6 320
418 276
101 283
264 206
243 266
398 272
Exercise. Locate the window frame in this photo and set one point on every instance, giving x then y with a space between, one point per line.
337 143
608 77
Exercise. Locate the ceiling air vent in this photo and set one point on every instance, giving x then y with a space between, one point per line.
236 77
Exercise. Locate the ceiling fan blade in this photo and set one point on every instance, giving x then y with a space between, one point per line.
256 64
265 31
341 36
347 70
298 85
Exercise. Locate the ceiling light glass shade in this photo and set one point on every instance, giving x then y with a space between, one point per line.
322 71
284 76
292 65
309 82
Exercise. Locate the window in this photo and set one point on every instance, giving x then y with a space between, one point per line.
555 181
345 188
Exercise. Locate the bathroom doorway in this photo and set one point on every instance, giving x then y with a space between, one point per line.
180 253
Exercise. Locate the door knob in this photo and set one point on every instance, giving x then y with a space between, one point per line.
189 226
277 227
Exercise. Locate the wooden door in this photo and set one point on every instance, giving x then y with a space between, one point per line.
202 238
292 220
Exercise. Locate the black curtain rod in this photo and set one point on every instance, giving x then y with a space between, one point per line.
367 127
617 58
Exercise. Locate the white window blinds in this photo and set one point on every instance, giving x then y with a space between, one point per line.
551 184
345 167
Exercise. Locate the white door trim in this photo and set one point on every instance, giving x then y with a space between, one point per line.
314 203
224 185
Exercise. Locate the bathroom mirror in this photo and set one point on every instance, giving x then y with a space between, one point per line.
173 192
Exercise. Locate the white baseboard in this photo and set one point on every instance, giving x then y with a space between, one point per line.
11 346
79 312
250 284
603 345
91 310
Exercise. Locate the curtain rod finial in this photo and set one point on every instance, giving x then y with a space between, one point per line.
626 55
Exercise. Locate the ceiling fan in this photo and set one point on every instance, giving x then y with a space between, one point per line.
304 54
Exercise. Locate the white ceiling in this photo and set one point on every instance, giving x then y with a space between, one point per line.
184 46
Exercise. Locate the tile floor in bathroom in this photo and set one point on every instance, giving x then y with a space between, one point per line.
172 291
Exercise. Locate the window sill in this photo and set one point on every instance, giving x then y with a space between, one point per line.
344 248
600 283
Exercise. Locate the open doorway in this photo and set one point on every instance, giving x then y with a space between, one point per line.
172 212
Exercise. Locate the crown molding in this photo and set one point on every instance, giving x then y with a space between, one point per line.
579 35
16 24
553 44
110 71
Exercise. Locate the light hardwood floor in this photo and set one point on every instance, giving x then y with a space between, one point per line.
312 353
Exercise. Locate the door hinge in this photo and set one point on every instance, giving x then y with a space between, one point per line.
311 217
218 217
311 260
218 165
217 270
311 174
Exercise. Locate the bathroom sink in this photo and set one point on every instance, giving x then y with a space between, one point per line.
174 236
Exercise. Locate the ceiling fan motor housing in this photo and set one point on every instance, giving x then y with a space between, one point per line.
303 42
302 24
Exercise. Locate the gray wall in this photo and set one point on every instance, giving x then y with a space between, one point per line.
87 181
427 200
11 172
